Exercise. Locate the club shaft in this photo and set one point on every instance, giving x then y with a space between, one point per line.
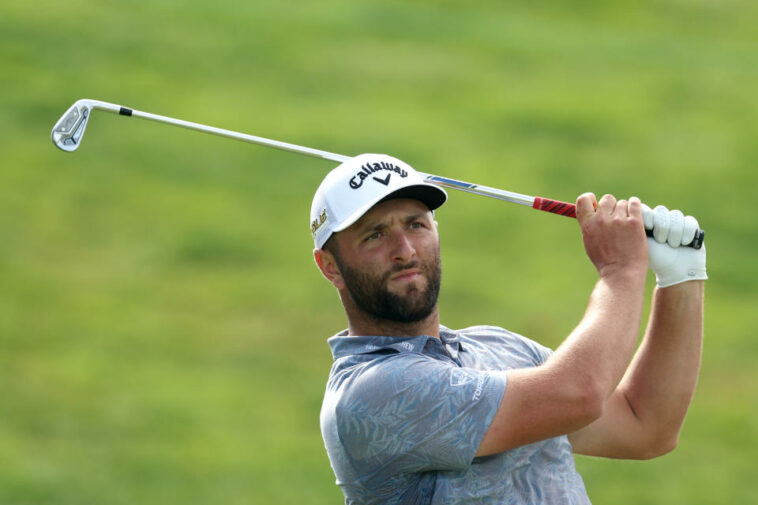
467 187
477 189
284 146
68 131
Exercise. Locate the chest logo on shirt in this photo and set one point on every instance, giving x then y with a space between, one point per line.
459 377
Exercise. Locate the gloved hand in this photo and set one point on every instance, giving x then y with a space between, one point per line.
672 262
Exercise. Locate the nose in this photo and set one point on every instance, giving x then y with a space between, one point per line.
402 248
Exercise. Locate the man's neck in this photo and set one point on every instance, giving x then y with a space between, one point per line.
364 324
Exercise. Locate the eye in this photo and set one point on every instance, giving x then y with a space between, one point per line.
373 236
417 224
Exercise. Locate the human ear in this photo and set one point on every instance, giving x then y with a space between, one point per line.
328 267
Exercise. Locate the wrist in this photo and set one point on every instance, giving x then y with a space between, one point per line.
694 287
670 279
626 276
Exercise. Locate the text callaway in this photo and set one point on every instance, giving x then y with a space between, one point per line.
369 168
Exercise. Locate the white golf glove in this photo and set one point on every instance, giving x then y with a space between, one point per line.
670 258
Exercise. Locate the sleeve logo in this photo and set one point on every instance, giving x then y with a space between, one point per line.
459 377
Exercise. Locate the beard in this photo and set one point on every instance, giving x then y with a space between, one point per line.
371 294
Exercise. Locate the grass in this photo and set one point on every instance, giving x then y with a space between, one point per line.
162 324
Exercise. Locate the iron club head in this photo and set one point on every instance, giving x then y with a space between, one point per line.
68 131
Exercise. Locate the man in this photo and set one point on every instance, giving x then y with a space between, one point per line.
416 413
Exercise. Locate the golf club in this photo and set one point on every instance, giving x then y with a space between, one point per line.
69 129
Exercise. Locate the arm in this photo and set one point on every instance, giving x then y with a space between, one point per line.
570 389
642 419
644 416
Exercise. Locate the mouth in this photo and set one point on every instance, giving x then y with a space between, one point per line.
406 275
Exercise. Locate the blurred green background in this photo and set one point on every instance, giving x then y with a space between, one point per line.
162 324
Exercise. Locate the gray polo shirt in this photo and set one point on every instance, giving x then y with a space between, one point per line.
402 419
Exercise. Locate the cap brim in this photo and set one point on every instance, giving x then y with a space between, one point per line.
430 195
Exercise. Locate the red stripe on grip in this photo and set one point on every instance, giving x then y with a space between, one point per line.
554 206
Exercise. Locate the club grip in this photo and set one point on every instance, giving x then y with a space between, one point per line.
569 210
554 206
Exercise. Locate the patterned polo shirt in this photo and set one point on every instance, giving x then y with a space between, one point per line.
403 417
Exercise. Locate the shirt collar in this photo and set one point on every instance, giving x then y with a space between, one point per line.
451 341
343 345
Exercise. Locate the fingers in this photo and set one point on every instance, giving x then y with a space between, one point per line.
622 208
676 228
661 223
635 207
585 206
671 227
648 217
612 234
607 204
691 227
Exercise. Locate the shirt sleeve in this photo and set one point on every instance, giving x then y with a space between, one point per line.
412 413
542 352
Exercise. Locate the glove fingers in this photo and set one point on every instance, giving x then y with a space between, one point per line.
648 217
661 226
676 228
672 263
691 227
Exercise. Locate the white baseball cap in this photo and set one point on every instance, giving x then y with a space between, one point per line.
356 185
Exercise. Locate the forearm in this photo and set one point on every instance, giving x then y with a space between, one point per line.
599 350
661 380
569 391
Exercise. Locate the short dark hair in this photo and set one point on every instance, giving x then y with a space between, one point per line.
332 247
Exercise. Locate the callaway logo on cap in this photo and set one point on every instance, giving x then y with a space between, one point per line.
351 189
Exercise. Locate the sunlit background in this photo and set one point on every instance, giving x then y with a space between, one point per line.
162 323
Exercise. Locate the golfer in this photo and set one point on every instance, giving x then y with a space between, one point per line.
418 413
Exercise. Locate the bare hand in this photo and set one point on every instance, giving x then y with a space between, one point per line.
613 234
